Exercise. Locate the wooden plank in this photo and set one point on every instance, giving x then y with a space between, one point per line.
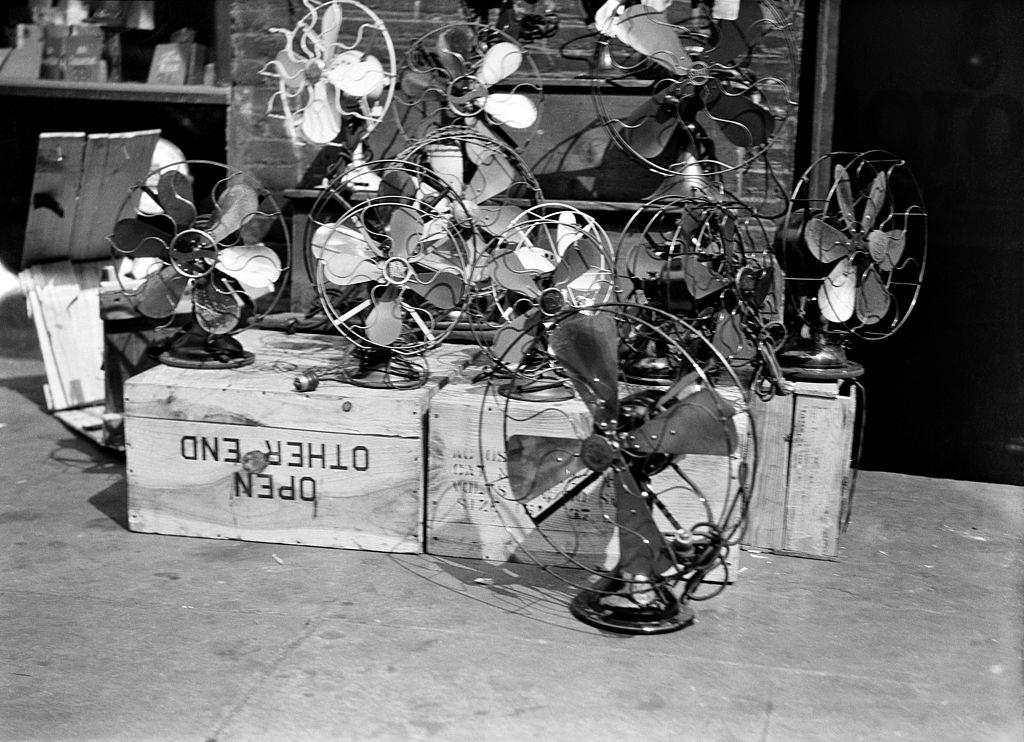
773 424
129 157
53 203
189 478
87 421
819 464
53 389
90 196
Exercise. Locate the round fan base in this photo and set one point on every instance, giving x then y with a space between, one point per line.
214 359
383 378
657 371
849 370
536 390
664 615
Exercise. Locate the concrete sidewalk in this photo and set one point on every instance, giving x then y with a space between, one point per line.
915 634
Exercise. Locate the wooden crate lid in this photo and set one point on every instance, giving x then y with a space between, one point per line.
82 183
264 395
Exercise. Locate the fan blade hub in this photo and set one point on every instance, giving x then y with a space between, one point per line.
397 271
463 94
193 253
598 453
551 302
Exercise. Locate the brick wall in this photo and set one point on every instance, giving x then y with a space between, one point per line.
259 143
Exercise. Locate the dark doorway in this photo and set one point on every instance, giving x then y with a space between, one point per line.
941 83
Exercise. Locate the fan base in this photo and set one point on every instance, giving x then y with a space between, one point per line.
169 358
536 390
394 373
196 349
664 615
850 371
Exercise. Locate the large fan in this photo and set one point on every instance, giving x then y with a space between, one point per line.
662 472
335 74
472 75
392 271
709 91
550 258
200 240
709 261
853 249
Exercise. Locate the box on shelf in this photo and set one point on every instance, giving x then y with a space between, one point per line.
178 63
78 190
803 481
240 454
470 512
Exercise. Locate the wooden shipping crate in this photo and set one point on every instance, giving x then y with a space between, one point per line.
239 454
804 478
470 512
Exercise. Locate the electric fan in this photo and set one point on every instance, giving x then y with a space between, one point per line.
551 258
708 261
658 477
852 246
472 75
716 90
336 74
200 237
392 270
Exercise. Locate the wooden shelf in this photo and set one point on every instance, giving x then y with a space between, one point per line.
120 91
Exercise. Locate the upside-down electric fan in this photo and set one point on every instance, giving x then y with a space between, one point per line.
655 480
336 75
471 75
853 248
392 271
200 240
708 95
706 260
552 257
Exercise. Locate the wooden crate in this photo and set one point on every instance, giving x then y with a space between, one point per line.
239 454
470 512
803 480
79 189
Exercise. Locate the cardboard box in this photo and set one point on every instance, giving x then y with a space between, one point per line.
804 478
472 513
239 454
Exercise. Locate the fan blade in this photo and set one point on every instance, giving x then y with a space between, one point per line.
343 269
736 38
451 43
538 463
337 238
886 248
640 263
415 83
873 300
729 339
330 27
875 203
174 191
586 346
742 121
838 291
649 129
356 74
256 225
255 267
321 119
384 322
844 195
496 219
642 548
511 109
446 160
291 71
700 423
160 293
216 311
405 229
825 242
650 33
567 233
512 341
237 201
137 239
493 175
700 280
442 289
508 271
499 62
397 183
581 259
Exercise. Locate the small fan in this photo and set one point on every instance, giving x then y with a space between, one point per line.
208 238
703 98
335 74
472 75
853 254
392 271
709 261
551 258
663 471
